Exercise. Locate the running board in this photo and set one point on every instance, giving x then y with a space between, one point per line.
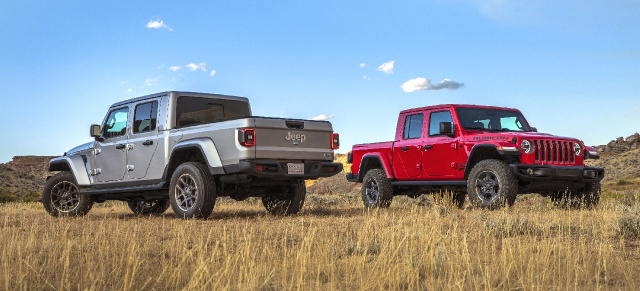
429 183
93 191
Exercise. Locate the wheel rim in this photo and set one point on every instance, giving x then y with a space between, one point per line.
372 191
186 192
65 197
487 186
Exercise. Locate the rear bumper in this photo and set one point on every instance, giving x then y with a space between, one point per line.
279 171
557 173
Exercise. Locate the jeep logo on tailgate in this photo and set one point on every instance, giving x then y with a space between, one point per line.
295 137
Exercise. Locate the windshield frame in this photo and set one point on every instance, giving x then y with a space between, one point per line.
512 112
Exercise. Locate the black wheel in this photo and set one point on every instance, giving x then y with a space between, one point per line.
149 207
491 185
192 191
588 197
60 196
376 189
287 201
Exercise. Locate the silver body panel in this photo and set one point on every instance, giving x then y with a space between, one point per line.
145 155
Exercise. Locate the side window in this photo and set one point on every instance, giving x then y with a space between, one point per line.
145 117
436 118
116 124
413 126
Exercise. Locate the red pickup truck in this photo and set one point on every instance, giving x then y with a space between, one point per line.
489 153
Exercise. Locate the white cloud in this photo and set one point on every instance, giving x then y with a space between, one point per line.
156 24
637 108
213 72
387 67
362 65
129 90
194 66
150 82
322 117
175 68
417 84
366 78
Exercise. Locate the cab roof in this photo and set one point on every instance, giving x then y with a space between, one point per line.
454 106
179 93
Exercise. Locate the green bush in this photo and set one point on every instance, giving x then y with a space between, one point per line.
629 226
6 196
31 196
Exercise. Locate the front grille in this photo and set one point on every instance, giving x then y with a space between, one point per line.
554 151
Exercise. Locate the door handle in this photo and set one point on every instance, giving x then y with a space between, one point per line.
120 147
404 149
428 147
147 143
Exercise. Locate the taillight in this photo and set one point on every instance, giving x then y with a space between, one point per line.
247 137
335 141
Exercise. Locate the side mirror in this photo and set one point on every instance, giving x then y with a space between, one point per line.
95 131
446 128
534 129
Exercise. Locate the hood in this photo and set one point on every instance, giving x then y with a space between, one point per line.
80 148
506 136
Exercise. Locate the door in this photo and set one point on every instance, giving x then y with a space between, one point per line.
143 141
407 151
111 152
440 151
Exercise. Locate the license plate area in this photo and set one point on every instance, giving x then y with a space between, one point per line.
295 168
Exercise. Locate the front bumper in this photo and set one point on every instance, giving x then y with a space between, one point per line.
279 171
557 173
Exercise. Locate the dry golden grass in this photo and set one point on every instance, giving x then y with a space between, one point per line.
333 245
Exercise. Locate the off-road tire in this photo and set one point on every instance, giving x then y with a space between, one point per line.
149 207
491 185
377 191
60 196
185 203
588 197
288 201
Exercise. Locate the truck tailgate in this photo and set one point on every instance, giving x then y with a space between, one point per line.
287 139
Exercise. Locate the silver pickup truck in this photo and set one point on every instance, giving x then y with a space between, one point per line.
185 149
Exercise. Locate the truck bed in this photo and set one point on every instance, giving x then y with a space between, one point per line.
273 139
360 150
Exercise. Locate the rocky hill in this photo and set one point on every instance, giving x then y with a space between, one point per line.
24 174
620 158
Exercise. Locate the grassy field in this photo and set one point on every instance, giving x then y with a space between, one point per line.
417 244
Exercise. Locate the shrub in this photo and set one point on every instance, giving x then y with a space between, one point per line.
629 226
6 196
31 196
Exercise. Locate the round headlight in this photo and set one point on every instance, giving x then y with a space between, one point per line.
577 149
526 147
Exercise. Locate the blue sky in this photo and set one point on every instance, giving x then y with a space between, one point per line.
572 67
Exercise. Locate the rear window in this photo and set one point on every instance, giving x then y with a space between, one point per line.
199 110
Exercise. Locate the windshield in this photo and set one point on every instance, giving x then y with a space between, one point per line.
491 119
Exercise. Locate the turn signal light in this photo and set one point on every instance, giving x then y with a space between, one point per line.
335 141
247 137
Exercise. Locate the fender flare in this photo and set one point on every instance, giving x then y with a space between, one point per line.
483 148
74 164
207 149
381 158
